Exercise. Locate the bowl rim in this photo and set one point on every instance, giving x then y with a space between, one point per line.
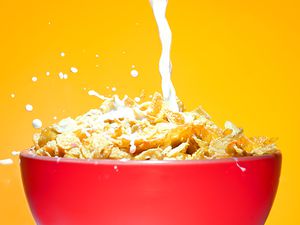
28 154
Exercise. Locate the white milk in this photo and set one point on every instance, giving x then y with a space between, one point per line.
134 73
96 94
74 69
6 161
28 107
165 66
34 79
37 123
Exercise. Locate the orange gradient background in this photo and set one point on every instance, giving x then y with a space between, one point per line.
238 59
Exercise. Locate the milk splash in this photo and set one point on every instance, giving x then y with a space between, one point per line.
165 66
96 94
6 161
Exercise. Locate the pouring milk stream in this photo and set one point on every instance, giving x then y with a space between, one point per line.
165 66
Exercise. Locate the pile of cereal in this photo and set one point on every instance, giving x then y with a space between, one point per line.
124 129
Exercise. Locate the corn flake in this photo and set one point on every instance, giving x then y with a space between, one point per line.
124 129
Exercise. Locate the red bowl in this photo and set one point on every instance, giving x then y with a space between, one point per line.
235 191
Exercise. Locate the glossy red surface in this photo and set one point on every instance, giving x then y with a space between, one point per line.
236 191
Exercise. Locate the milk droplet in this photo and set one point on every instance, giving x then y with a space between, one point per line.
84 89
37 123
96 94
13 95
113 89
34 79
134 73
55 118
107 87
137 99
243 169
62 54
61 75
133 66
15 153
97 56
28 107
65 76
132 146
74 69
47 73
116 168
6 162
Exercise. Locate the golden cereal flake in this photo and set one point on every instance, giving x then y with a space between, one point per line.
218 147
52 148
117 153
42 152
151 129
36 138
98 145
178 150
150 154
73 153
175 117
102 153
67 141
47 134
156 105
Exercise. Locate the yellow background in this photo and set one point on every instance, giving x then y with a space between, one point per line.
238 59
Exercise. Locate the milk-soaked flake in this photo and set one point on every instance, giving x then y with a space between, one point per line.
6 161
235 130
134 73
37 123
73 69
34 79
29 108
